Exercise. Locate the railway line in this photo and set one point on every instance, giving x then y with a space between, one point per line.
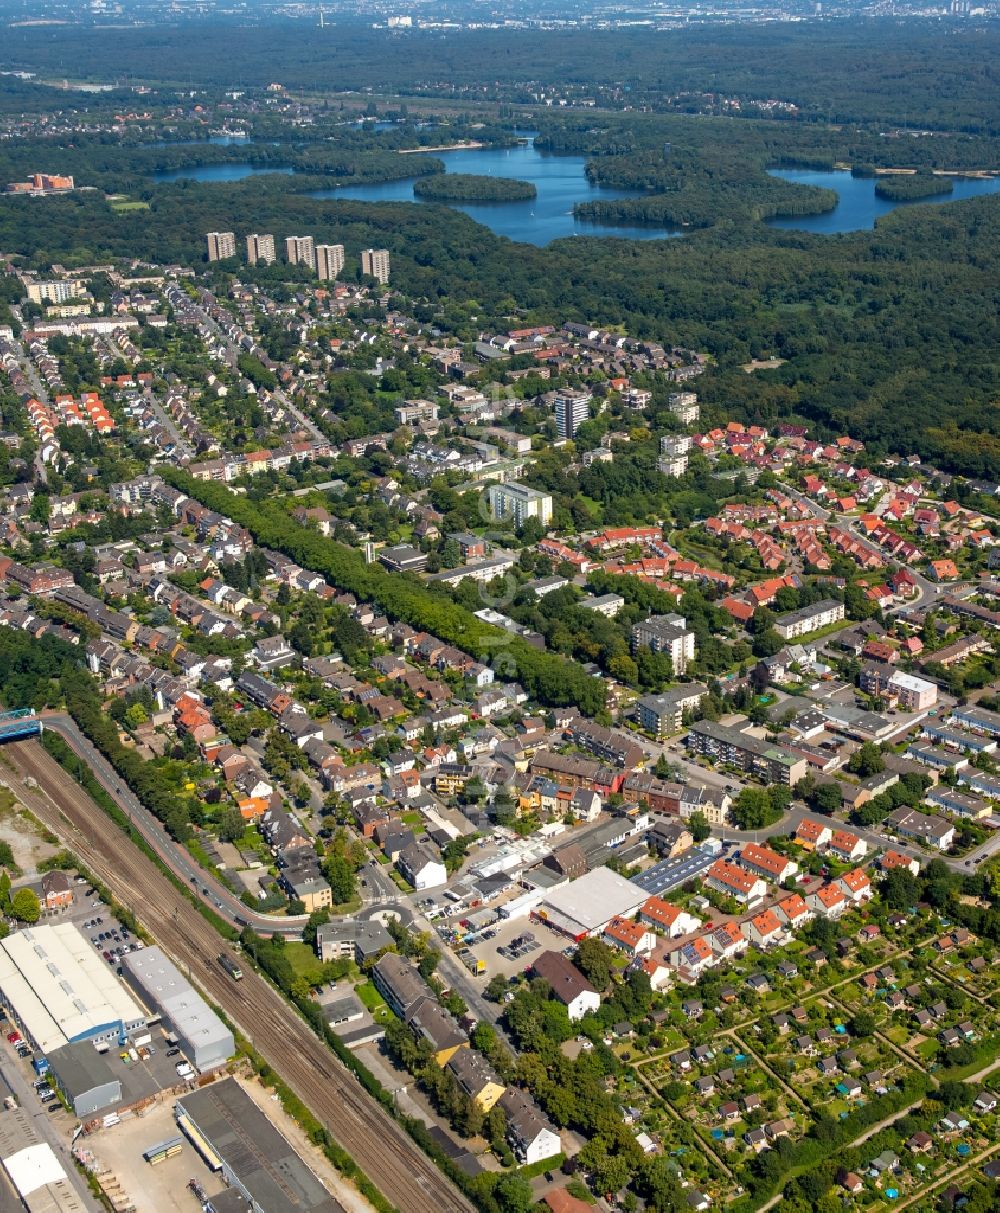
383 1151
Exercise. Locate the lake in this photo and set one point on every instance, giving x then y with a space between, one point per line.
560 181
859 206
218 172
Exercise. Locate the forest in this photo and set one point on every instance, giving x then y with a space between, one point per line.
470 187
890 334
909 189
880 71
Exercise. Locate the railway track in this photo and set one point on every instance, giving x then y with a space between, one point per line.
397 1167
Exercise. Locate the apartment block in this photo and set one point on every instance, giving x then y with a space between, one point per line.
375 263
221 245
684 406
57 291
666 634
300 250
571 407
663 714
329 261
809 618
674 450
769 763
519 502
914 694
260 248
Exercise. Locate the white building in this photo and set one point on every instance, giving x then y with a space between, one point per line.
666 634
672 465
568 984
607 605
572 409
518 501
809 618
915 694
57 989
421 867
586 906
205 1039
531 1136
684 406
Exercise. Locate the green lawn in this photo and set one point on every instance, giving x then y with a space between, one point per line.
373 1001
304 961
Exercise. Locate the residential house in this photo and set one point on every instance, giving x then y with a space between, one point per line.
530 1135
632 938
568 984
663 916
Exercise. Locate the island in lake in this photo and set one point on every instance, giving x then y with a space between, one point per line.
468 187
910 188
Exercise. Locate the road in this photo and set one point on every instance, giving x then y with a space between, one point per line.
41 393
382 896
183 450
355 1121
173 855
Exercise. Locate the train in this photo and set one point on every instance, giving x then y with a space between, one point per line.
231 967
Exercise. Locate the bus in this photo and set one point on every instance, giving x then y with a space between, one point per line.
231 967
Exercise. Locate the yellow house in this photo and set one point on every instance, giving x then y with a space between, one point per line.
475 1076
528 803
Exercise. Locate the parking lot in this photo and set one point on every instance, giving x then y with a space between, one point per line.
514 946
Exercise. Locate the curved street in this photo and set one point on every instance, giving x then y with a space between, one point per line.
203 883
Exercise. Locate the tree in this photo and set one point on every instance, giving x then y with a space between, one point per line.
341 878
25 906
826 798
900 889
752 809
513 1194
869 813
496 988
767 643
867 760
595 960
698 825
862 1024
231 825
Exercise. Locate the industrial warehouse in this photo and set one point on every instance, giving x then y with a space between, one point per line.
59 991
584 907
233 1136
204 1038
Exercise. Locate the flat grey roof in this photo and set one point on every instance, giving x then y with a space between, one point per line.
162 984
253 1149
80 1068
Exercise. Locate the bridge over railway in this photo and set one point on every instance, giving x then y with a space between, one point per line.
21 724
